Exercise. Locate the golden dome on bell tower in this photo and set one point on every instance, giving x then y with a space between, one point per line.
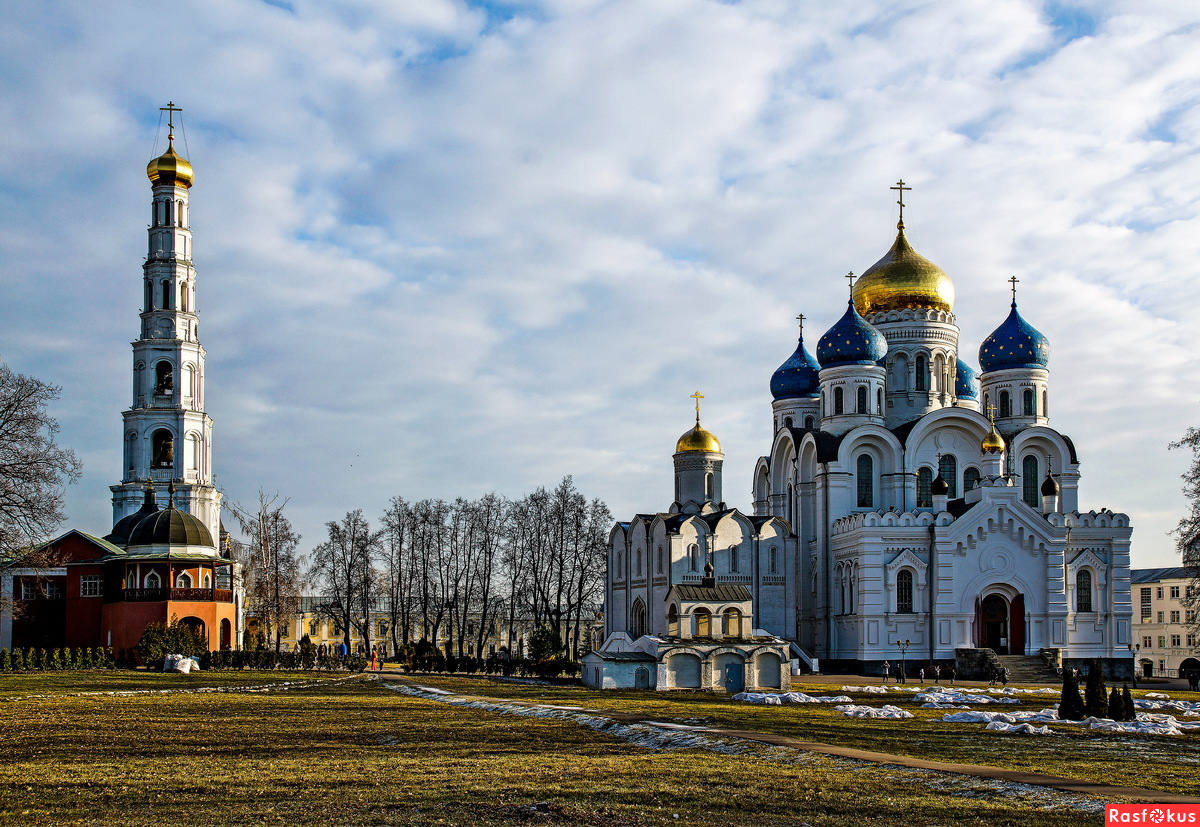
699 439
170 167
903 278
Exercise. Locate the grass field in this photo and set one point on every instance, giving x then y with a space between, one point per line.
1155 762
355 753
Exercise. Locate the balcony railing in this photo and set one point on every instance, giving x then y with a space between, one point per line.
204 595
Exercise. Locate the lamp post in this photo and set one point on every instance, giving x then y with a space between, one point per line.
1134 649
903 645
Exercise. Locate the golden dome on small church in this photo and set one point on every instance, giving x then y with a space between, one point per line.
993 443
170 168
903 278
698 439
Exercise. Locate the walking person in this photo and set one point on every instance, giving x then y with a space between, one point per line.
1004 676
374 660
952 672
921 675
887 671
937 675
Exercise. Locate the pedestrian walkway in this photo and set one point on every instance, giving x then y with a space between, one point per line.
1096 789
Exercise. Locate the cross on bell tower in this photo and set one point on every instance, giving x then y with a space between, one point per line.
901 188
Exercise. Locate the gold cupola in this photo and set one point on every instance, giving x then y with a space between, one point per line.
170 167
903 278
993 443
698 439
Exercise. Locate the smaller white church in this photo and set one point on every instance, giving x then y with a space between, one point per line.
690 589
905 511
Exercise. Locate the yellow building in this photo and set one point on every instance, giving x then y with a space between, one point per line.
1165 639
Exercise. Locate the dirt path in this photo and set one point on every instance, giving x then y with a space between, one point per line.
1096 789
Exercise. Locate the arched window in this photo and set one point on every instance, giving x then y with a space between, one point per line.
152 581
904 591
1005 405
703 622
1083 591
149 296
183 301
850 588
1029 481
1027 403
694 557
660 560
637 570
924 487
824 409
772 560
922 378
637 620
617 561
164 449
939 374
987 403
673 621
862 399
838 402
879 401
808 422
166 295
948 467
183 580
206 580
898 378
708 486
970 478
1045 403
787 421
164 377
733 623
866 481
734 562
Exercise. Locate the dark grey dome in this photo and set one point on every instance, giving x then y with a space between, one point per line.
171 527
124 527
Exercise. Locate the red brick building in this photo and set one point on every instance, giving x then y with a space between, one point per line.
157 566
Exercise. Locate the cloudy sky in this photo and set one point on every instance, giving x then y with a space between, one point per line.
445 248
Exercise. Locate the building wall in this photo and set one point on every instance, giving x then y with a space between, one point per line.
1168 642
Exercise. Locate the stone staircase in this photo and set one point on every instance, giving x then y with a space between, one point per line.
1028 669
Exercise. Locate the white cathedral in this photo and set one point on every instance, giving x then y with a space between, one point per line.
895 517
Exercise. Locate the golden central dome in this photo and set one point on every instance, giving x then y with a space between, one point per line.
170 168
903 278
698 440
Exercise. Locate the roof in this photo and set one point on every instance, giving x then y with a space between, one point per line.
624 656
171 527
1168 573
720 593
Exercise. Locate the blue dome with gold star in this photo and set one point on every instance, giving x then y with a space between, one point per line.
1014 344
965 385
797 377
851 341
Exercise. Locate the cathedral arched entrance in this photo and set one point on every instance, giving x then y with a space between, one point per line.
1000 623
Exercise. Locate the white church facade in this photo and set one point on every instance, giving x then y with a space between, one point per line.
905 508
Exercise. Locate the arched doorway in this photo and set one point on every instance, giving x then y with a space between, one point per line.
767 665
641 678
730 671
226 634
197 627
1147 668
684 670
1189 667
993 623
637 625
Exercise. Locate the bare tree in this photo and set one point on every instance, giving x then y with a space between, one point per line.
398 570
272 566
33 469
1187 531
342 568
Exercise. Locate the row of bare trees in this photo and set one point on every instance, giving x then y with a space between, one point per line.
449 571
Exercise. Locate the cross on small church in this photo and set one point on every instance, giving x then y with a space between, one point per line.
1014 281
800 320
170 109
697 396
991 411
850 280
901 188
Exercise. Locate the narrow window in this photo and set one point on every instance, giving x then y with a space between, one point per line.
1027 403
838 405
149 297
922 378
862 400
1045 403
164 449
879 401
924 488
638 566
1029 481
970 478
1083 591
708 486
673 621
183 581
164 378
948 467
772 560
904 591
1005 405
866 481
153 581
166 295
733 559
808 422
660 559
694 557
183 302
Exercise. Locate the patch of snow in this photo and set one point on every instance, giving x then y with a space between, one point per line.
1163 696
953 696
1019 729
885 711
779 698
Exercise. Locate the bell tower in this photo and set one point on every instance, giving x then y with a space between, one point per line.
167 436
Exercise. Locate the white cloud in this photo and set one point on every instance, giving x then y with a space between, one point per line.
443 248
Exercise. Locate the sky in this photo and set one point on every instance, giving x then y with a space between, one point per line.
445 248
